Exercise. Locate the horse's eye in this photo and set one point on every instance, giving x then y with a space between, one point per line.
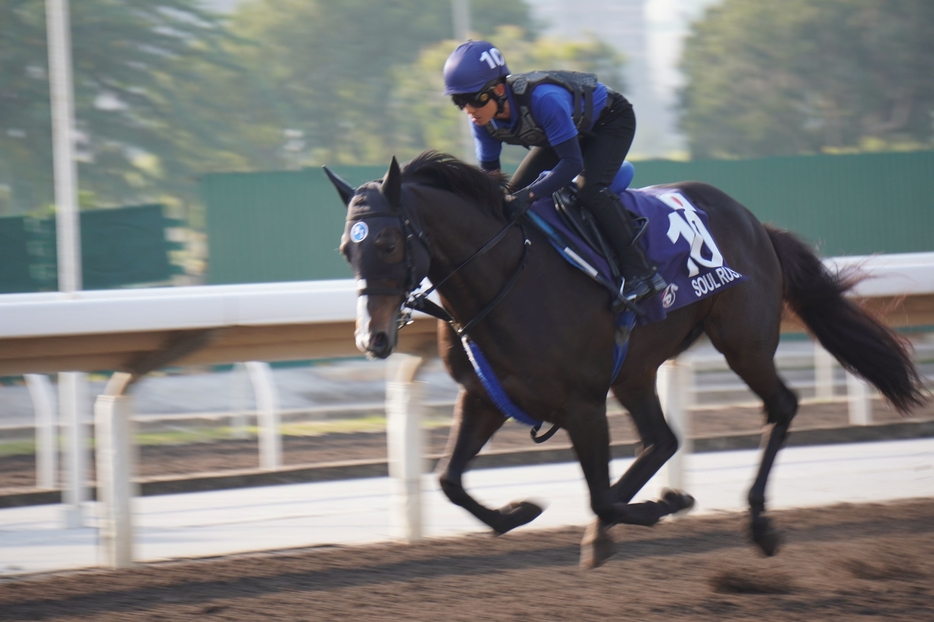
386 247
389 245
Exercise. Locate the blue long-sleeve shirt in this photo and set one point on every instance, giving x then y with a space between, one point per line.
552 108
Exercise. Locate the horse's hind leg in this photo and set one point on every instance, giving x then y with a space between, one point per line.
475 422
781 408
750 352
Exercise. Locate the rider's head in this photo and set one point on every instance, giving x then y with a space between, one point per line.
472 72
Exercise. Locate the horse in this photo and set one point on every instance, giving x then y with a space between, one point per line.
548 333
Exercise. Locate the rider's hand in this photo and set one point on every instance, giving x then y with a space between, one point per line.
518 202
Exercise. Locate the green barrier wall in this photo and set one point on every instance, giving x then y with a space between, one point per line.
847 205
17 264
280 226
125 246
286 226
120 247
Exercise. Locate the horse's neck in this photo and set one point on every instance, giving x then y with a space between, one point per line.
457 230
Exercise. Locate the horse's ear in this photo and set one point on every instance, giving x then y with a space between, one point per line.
343 188
392 184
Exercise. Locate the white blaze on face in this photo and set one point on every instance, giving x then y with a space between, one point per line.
362 332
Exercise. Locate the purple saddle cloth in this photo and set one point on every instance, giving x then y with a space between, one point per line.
678 241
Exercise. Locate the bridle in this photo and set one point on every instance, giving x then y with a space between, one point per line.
417 258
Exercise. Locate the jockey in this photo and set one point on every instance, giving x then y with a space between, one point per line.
573 126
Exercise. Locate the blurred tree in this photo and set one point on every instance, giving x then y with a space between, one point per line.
426 119
165 91
144 122
324 70
802 76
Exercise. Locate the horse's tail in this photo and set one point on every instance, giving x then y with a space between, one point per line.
862 344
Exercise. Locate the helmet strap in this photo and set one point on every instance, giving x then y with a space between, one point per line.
501 99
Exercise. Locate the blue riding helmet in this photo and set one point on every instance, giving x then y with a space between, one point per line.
473 67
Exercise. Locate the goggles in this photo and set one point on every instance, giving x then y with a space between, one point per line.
475 100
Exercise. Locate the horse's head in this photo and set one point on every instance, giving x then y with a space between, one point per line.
387 259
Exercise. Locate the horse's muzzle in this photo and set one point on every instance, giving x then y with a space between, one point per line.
380 346
375 338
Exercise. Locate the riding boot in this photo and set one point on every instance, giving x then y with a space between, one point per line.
642 278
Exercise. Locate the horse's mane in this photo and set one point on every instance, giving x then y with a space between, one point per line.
446 172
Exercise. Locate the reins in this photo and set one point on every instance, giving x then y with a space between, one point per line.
420 302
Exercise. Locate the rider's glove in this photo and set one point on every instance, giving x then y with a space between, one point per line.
518 202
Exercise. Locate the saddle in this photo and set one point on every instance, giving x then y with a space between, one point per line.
679 242
576 218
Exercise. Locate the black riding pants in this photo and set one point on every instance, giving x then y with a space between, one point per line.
604 148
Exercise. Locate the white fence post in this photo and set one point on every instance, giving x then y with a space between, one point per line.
240 403
859 397
40 390
823 373
115 466
687 378
71 392
671 393
267 407
405 446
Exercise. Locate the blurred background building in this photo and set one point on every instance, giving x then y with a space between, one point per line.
650 33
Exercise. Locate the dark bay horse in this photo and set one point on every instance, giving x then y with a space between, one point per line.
548 332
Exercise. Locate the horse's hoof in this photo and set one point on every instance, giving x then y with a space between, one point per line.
643 514
679 502
516 514
597 546
765 537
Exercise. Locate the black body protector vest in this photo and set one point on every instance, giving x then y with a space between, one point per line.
528 132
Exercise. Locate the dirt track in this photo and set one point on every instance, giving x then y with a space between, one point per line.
870 562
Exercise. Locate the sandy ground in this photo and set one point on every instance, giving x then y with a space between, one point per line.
846 562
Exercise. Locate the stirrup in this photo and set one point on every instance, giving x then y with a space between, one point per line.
642 222
623 303
646 287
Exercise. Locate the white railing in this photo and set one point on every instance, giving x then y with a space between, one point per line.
806 368
176 308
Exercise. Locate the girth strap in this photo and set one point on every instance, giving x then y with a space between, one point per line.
498 395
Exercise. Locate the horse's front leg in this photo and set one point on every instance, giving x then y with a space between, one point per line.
590 436
659 444
475 422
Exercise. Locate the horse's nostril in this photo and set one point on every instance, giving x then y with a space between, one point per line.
379 345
